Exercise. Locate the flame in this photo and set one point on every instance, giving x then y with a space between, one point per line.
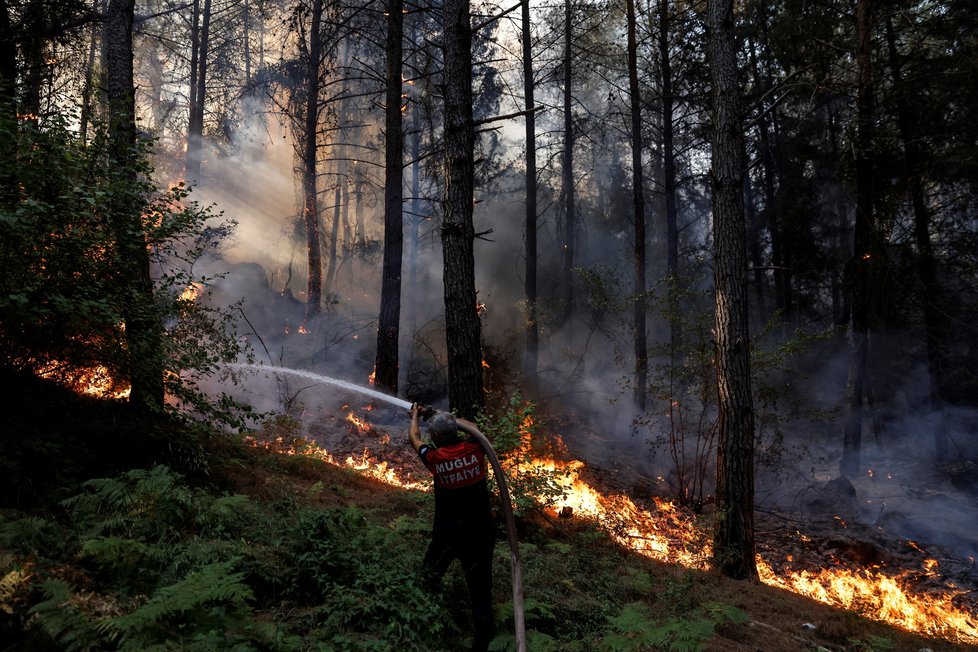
880 596
94 381
662 531
358 423
372 377
192 292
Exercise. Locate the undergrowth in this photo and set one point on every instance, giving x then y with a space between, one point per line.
279 553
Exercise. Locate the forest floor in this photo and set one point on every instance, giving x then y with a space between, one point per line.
578 579
822 543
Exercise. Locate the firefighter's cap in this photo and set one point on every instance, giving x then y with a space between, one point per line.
442 425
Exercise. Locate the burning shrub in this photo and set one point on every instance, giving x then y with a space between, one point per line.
512 431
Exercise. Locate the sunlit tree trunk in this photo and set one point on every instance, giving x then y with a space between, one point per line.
734 539
88 87
530 236
463 329
198 87
388 327
142 327
863 246
638 214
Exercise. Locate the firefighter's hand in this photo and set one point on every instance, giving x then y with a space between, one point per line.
414 430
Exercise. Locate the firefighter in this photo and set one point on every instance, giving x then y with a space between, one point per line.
463 527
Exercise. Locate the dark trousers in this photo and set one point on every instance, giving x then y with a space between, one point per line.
475 556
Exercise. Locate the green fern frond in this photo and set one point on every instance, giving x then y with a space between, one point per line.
60 617
211 593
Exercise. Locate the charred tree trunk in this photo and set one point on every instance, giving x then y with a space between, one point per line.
531 351
388 327
142 327
310 154
638 215
198 87
863 246
568 194
932 300
463 329
734 539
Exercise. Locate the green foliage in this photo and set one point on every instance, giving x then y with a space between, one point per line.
343 564
70 221
513 431
634 628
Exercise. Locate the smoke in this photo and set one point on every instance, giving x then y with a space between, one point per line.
585 358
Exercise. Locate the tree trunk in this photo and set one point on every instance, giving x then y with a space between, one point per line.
310 154
863 246
465 387
568 194
638 215
388 327
530 277
198 88
89 84
669 183
142 327
734 540
932 299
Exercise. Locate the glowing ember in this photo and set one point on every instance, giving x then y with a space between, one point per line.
371 377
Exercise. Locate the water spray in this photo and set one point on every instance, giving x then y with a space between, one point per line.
469 428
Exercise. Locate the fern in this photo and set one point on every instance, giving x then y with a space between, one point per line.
634 629
147 504
11 586
213 597
61 617
32 536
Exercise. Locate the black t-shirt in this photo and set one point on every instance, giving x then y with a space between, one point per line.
461 492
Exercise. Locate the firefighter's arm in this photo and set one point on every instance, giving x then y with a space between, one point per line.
414 430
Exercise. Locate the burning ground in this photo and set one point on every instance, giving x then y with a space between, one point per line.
860 569
616 565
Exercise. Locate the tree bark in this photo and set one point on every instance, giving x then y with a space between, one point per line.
932 299
734 539
198 87
310 154
531 351
638 214
463 329
568 190
142 327
669 182
388 328
863 246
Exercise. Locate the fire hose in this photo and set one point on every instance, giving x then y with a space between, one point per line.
514 547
